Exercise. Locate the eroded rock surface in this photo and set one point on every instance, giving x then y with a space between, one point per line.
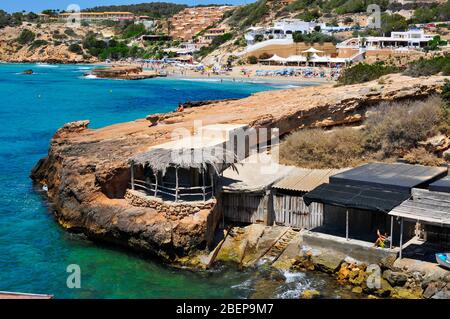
87 171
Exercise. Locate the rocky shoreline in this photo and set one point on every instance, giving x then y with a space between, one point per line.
87 171
389 278
394 281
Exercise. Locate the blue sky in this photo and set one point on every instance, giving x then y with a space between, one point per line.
39 5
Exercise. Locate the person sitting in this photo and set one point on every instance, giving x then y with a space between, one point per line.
382 240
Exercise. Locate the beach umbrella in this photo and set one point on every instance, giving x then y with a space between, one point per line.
275 58
311 50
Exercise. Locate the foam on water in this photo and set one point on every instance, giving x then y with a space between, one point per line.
89 77
45 65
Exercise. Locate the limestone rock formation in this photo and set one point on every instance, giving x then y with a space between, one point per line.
87 171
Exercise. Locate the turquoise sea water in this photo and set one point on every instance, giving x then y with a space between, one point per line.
34 250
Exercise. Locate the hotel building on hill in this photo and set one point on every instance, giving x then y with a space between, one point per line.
98 16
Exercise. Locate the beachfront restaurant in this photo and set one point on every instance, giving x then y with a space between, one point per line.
357 202
309 57
430 210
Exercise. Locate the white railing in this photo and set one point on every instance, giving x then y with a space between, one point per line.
182 192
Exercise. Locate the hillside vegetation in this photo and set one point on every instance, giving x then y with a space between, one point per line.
363 72
152 9
392 131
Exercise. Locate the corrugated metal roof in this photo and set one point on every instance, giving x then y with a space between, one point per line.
395 176
305 180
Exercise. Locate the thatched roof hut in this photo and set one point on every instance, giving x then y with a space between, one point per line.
160 159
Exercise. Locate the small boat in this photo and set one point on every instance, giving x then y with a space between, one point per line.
443 259
19 295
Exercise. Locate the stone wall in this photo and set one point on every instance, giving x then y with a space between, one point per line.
172 210
357 249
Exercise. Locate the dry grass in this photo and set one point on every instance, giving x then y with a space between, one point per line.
320 149
421 156
395 128
392 130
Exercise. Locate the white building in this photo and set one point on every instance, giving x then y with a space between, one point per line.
405 39
282 29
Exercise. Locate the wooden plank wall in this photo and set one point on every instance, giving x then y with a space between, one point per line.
292 211
246 208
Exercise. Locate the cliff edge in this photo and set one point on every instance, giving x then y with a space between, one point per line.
87 172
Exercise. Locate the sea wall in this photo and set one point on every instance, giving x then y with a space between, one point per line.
357 249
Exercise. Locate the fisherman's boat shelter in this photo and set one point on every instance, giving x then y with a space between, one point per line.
357 202
247 193
289 207
430 210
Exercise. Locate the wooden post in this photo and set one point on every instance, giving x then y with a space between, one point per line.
401 238
203 184
212 184
346 224
132 175
176 184
156 184
392 231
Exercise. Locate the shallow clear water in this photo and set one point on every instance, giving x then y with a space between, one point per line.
34 250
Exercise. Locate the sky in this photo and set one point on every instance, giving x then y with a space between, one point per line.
39 5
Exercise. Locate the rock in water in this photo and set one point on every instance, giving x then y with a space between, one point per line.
28 72
310 294
395 278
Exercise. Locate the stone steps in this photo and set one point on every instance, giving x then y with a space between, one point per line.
278 248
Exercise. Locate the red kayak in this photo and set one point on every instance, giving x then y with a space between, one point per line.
18 295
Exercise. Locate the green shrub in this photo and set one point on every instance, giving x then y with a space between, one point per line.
435 43
70 32
427 67
393 22
309 15
134 31
313 37
26 36
218 41
364 72
248 15
241 42
252 59
38 43
75 48
259 38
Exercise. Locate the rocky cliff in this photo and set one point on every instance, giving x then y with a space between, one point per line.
51 43
87 171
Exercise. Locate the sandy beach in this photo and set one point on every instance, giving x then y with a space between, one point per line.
248 73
